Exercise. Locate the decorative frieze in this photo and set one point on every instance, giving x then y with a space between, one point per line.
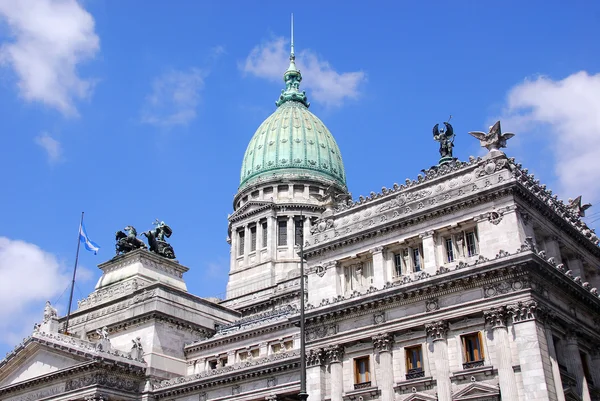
315 333
383 342
496 317
437 330
504 287
335 353
315 357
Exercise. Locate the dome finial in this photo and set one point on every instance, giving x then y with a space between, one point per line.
292 78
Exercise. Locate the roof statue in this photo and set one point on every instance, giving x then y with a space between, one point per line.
493 140
156 239
49 312
446 139
577 208
128 241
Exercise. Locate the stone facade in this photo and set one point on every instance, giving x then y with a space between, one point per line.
472 282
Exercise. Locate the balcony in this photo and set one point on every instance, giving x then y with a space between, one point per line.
360 386
473 364
415 374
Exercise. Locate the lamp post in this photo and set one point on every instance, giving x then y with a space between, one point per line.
302 395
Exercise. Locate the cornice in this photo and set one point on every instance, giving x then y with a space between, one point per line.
228 374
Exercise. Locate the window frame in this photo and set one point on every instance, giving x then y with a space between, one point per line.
367 373
449 248
282 237
466 357
253 238
265 234
241 242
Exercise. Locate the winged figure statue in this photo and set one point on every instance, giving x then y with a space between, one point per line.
445 137
493 140
577 208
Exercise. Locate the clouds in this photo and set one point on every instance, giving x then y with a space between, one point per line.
50 39
51 146
566 114
270 60
30 276
174 98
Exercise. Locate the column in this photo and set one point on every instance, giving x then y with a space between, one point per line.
506 376
575 367
560 394
437 331
575 264
429 264
230 358
379 276
530 336
552 248
291 236
382 344
271 237
246 245
315 375
200 365
335 353
525 226
595 368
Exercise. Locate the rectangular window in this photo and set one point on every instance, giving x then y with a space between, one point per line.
414 362
282 232
264 235
472 350
471 242
253 239
417 259
212 364
449 250
298 231
241 242
362 374
398 264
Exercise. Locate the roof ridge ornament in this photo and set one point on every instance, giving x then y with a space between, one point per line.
292 78
494 140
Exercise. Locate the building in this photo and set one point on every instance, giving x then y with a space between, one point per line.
471 282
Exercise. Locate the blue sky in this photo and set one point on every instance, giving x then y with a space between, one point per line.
136 110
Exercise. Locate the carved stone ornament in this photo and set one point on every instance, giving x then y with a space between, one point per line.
496 317
379 318
494 139
437 330
98 397
383 342
315 333
335 353
315 357
432 304
320 270
522 311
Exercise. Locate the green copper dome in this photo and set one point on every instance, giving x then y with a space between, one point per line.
292 140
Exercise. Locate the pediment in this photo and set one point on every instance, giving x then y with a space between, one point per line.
34 360
249 208
478 392
420 397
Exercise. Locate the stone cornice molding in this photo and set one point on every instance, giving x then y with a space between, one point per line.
315 357
335 353
241 214
437 330
383 342
496 317
240 371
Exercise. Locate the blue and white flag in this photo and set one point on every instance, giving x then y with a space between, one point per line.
87 242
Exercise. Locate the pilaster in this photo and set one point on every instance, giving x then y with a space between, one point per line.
575 264
575 365
429 263
335 354
246 245
552 248
382 344
595 354
437 331
560 394
497 318
379 274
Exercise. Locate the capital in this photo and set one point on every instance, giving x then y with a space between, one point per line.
496 317
437 330
377 249
335 353
522 311
315 357
383 342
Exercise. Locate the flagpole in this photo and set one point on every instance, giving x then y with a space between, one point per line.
66 330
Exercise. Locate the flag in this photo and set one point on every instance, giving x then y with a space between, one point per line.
89 244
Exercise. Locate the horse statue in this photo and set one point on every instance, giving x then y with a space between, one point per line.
128 241
156 239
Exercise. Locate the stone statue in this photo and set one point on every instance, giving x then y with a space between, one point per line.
577 208
128 241
49 312
156 239
332 196
446 139
493 140
137 351
103 333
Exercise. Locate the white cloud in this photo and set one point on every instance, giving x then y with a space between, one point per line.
51 146
30 277
270 60
566 115
174 98
50 38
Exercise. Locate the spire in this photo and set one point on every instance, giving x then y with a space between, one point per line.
292 78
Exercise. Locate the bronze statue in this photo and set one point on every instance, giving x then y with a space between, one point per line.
446 139
156 239
128 241
493 140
